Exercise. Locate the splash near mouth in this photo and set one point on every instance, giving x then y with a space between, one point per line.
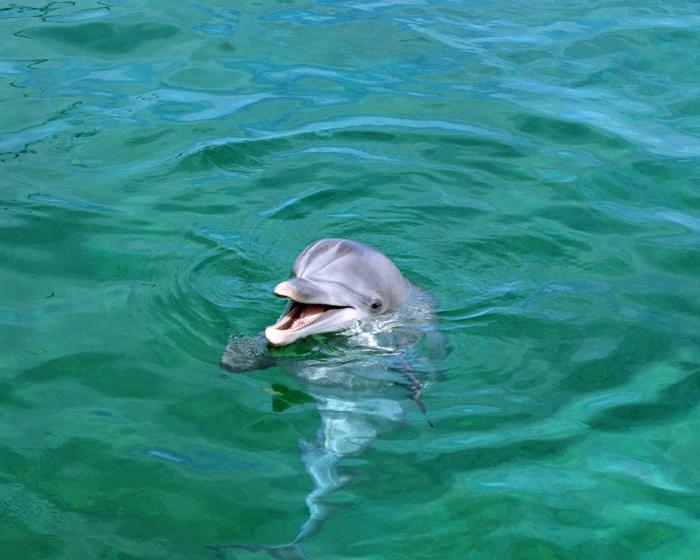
300 315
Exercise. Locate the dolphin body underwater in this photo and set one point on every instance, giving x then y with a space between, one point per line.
360 378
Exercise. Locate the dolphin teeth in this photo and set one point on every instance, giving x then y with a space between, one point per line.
299 315
307 320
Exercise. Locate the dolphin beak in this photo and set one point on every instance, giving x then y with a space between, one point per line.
310 310
285 289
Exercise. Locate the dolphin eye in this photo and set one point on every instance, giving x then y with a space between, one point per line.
376 305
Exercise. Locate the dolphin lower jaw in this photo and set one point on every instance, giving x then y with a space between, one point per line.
303 319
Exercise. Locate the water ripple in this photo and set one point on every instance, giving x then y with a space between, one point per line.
534 167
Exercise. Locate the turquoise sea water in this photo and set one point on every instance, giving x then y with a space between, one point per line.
534 165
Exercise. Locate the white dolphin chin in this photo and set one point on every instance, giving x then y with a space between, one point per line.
304 319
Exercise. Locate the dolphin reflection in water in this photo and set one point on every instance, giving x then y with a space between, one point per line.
359 379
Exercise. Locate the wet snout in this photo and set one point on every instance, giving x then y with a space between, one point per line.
285 289
303 291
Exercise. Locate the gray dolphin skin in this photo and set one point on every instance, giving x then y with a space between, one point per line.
336 282
372 345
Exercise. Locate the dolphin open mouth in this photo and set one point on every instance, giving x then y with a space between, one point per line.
313 308
299 315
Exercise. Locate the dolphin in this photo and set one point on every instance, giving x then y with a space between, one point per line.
359 373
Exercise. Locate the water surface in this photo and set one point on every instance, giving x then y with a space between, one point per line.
533 165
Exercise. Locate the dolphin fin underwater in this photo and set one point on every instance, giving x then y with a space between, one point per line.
385 342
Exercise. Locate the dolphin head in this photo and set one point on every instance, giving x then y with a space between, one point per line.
335 283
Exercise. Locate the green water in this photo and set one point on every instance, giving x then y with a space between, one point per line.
535 166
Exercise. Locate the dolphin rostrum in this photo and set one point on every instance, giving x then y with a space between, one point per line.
346 287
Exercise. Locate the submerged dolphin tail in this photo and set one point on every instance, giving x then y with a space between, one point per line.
290 551
321 464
